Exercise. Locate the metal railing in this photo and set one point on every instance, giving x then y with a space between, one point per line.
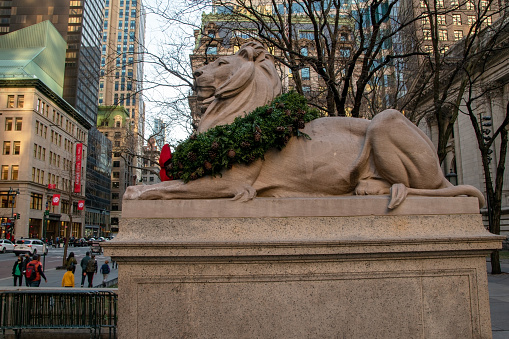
93 310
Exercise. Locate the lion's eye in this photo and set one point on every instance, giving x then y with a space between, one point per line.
221 62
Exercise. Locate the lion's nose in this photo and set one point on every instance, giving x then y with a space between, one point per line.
197 73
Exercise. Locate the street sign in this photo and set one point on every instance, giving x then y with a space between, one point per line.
7 224
46 212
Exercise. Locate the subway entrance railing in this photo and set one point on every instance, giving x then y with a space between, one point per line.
59 309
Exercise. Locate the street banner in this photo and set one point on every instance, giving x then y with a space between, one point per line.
55 200
52 186
81 205
77 172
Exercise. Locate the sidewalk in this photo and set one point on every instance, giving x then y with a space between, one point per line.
498 286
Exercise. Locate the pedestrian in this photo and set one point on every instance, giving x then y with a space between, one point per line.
68 278
91 270
71 262
17 270
113 264
83 265
25 263
105 270
35 266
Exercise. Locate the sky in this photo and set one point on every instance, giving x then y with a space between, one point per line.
158 33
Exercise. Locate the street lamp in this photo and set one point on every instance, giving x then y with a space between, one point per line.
14 193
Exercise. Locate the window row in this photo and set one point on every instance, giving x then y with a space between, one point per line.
469 5
16 148
16 123
58 119
443 35
10 172
13 103
457 20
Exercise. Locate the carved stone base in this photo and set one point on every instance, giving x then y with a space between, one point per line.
342 267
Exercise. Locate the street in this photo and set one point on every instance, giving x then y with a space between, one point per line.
50 262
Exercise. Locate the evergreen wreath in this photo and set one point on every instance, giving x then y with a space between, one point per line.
243 141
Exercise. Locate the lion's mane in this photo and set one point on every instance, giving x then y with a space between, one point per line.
255 84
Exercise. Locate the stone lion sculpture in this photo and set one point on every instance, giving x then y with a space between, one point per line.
387 155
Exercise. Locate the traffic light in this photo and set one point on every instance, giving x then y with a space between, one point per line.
16 216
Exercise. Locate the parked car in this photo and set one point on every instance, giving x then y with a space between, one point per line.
31 246
90 241
81 242
6 246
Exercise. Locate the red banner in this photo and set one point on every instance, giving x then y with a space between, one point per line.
55 200
52 186
77 172
81 205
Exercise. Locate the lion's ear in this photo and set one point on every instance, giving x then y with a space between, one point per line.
247 52
237 82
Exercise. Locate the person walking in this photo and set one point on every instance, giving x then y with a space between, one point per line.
17 270
105 270
35 265
83 265
71 262
25 263
68 278
91 270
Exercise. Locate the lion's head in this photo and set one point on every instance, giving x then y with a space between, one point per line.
235 84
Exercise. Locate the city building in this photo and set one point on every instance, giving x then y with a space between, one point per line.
150 171
120 89
159 133
79 23
98 189
44 139
114 123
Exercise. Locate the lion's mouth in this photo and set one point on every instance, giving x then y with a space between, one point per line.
205 92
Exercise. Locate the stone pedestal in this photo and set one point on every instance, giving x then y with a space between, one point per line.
338 267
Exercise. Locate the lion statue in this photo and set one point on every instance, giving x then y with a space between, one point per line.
387 155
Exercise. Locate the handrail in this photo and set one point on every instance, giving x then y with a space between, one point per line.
59 309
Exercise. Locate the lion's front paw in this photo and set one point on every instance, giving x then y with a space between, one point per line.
132 193
372 187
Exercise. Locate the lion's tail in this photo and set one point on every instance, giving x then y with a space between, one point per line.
450 191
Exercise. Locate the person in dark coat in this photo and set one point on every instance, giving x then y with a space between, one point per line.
83 265
17 270
25 263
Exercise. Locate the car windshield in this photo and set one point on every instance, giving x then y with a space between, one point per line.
23 242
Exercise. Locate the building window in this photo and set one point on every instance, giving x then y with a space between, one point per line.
115 184
440 3
426 34
454 3
116 175
425 21
10 101
344 52
114 207
306 89
441 19
456 19
7 147
8 124
14 172
36 201
423 4
306 35
471 20
442 34
21 101
16 147
117 143
19 124
114 196
304 51
458 35
5 172
488 21
212 50
305 73
469 5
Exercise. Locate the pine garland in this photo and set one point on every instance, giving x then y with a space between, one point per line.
243 141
